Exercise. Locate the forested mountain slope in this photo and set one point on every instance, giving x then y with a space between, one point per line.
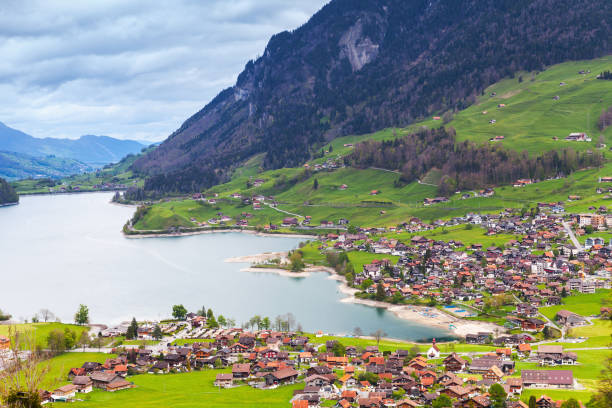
361 65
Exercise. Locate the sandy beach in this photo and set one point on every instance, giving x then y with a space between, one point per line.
422 314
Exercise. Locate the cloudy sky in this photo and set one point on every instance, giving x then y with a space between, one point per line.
127 68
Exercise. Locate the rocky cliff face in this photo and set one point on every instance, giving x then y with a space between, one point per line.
361 65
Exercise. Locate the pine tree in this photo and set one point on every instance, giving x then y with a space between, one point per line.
315 184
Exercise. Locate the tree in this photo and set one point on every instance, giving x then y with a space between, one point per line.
378 334
532 402
315 184
4 316
563 292
46 315
603 397
497 396
56 342
201 312
210 314
265 323
232 322
357 332
157 333
338 349
132 330
84 339
82 315
380 292
179 312
221 320
297 264
25 372
570 403
70 338
443 401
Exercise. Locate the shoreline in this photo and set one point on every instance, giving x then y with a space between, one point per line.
424 315
212 231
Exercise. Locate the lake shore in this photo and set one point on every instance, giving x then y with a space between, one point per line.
429 316
213 231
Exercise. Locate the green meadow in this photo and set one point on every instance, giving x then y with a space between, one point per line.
40 331
580 303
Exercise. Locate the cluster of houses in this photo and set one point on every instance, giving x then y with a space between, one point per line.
109 376
349 376
539 267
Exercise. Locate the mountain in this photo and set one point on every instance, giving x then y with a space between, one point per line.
7 193
362 65
16 166
93 150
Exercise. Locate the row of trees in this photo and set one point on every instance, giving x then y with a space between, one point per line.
465 165
605 119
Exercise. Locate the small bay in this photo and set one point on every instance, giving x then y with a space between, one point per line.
58 251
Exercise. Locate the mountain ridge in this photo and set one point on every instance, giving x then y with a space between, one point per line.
90 149
360 66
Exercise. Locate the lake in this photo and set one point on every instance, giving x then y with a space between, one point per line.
59 251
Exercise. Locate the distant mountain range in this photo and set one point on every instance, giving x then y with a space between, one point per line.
24 156
16 166
358 66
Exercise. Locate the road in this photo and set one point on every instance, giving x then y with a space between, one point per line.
283 211
572 236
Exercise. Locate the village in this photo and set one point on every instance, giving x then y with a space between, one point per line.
540 267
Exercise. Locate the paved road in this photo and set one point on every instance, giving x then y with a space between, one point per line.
572 236
283 211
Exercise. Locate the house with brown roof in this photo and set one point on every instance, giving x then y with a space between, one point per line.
548 379
83 383
224 380
64 393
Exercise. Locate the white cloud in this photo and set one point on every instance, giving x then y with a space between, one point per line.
129 69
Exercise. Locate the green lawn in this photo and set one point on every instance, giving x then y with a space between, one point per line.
583 396
599 334
41 331
589 367
582 304
60 365
188 390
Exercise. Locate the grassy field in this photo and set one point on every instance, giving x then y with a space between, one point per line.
583 396
599 334
41 331
189 390
582 304
60 365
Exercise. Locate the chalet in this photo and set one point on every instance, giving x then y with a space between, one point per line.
119 385
532 324
289 222
65 393
283 376
224 380
317 380
479 338
554 355
567 318
458 392
494 373
83 383
103 379
578 137
547 378
454 363
241 370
